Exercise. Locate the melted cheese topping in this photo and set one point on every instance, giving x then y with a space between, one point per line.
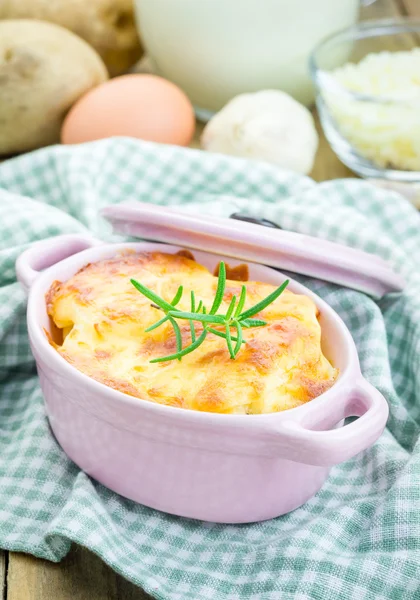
103 318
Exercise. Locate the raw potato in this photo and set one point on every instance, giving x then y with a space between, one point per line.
44 69
107 25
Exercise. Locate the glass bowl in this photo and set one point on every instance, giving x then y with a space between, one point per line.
376 135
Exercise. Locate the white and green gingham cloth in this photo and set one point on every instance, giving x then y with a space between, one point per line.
359 537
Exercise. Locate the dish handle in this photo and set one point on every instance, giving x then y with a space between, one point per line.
45 253
313 440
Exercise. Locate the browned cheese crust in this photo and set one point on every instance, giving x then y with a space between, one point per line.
103 320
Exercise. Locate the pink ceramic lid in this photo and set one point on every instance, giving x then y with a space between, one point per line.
254 243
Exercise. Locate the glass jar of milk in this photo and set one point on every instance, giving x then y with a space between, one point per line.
216 49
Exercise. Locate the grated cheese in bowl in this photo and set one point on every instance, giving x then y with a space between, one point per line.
375 105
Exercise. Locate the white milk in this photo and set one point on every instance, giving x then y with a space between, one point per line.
216 49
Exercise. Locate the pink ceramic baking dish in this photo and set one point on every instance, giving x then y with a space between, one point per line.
223 468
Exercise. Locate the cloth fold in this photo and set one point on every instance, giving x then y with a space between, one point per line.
359 537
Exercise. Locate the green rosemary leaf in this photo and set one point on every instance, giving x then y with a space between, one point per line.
252 323
178 296
241 302
178 335
192 331
233 318
223 335
231 308
264 303
221 284
229 342
197 317
151 295
239 339
183 352
158 324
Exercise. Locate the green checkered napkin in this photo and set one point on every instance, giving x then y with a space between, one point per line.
359 537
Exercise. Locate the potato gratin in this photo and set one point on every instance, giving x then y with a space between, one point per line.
103 320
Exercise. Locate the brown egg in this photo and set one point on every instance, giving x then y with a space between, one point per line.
142 106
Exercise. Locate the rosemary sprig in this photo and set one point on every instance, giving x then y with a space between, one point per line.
235 316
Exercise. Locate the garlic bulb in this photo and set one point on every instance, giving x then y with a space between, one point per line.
268 125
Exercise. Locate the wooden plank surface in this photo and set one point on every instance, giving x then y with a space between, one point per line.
327 166
83 576
3 567
80 576
410 7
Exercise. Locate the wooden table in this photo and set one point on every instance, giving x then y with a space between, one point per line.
81 575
